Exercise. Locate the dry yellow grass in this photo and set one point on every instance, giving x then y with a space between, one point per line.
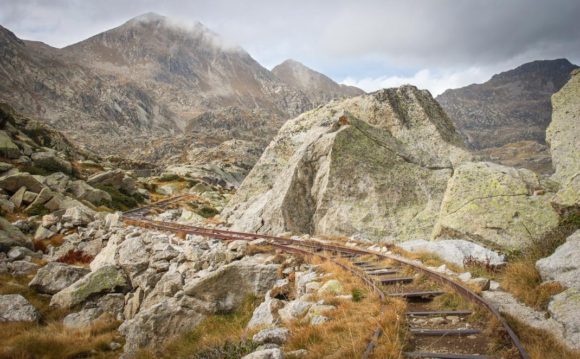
50 339
539 344
352 323
522 279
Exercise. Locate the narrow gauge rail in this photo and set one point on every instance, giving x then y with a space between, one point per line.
449 341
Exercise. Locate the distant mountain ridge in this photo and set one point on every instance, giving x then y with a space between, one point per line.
512 106
318 87
135 89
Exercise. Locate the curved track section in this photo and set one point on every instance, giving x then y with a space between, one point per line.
445 342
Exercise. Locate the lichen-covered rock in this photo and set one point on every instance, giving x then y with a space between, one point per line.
151 327
266 314
15 308
565 309
104 280
375 166
10 236
227 287
55 276
455 251
7 148
564 264
563 136
51 162
495 205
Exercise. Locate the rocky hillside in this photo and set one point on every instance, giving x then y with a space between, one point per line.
176 74
511 107
373 166
319 88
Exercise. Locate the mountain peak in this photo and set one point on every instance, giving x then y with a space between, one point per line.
318 87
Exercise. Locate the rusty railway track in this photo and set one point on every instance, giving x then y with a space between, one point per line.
372 272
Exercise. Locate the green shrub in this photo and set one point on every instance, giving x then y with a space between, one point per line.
169 177
357 295
207 211
120 201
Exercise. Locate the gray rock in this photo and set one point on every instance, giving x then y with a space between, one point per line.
318 319
83 191
5 166
295 309
403 144
57 181
564 264
454 250
7 148
55 276
332 286
29 197
84 318
78 216
44 196
133 255
18 197
15 308
297 354
6 206
43 233
13 182
151 327
169 284
273 353
563 136
266 314
271 335
246 277
17 253
565 309
104 280
51 162
20 268
493 204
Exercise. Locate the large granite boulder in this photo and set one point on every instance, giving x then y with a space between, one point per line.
455 251
106 279
495 205
55 276
15 308
563 136
227 287
153 326
374 166
564 264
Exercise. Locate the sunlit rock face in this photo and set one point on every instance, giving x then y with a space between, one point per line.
374 166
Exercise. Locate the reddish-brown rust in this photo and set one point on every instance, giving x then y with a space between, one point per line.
135 217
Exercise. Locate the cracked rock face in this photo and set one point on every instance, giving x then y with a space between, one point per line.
495 205
374 166
563 135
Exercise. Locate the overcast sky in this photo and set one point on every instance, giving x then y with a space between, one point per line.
434 44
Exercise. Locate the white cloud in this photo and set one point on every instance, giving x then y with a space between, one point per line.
435 82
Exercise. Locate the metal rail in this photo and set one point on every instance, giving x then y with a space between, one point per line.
135 218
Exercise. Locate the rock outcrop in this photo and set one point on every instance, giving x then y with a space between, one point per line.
495 205
563 136
564 264
374 166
